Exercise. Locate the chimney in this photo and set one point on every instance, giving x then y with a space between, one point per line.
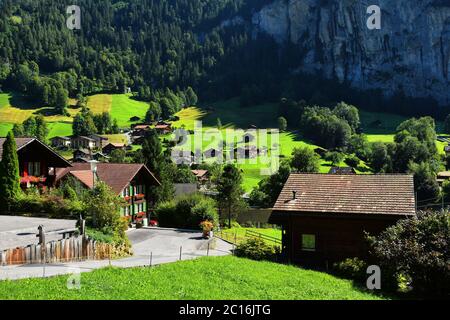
294 195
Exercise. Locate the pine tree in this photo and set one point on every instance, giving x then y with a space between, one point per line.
230 190
9 173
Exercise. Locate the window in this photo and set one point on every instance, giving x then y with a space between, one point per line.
139 189
126 192
140 208
308 242
34 169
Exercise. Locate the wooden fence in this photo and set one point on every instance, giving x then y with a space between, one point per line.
66 250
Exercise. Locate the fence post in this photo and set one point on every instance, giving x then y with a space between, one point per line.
207 252
109 254
181 250
151 258
41 236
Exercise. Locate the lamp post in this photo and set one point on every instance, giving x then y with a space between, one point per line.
93 164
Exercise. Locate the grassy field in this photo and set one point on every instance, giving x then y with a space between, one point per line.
124 107
14 109
5 128
121 107
238 235
100 103
224 278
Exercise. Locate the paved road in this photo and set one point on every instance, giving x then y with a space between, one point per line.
21 231
156 245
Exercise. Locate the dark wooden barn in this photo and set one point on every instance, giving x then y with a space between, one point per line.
325 216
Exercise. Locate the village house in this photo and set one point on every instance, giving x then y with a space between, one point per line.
213 153
447 150
443 176
110 147
342 170
100 141
201 175
163 128
82 142
247 152
60 142
86 155
325 216
37 162
132 182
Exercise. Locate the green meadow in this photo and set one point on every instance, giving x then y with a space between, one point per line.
209 278
14 109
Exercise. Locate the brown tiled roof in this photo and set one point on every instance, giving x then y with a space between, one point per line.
351 194
20 142
23 142
200 173
116 145
163 126
84 176
117 176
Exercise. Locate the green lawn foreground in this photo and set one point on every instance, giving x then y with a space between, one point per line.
209 278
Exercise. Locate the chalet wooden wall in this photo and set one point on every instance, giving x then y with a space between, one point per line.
336 238
66 250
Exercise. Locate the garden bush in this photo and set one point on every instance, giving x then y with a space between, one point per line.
187 211
417 250
354 269
50 205
256 249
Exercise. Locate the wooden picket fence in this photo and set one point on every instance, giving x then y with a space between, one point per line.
73 249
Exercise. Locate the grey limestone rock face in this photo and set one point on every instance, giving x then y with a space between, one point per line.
410 52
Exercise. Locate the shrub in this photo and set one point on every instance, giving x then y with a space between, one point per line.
256 249
187 211
353 161
51 205
418 250
354 269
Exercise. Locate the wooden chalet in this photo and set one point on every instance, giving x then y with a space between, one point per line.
82 142
60 142
132 182
37 162
325 216
110 147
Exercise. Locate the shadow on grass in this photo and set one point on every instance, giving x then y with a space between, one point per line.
19 101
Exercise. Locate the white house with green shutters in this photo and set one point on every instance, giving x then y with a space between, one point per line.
132 182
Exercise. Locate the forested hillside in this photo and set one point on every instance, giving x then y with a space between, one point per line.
138 43
213 46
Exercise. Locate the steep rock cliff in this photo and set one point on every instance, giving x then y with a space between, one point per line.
410 52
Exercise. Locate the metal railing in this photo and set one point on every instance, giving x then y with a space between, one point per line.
236 238
251 233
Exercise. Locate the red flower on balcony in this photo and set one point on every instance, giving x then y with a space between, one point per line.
139 196
31 179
